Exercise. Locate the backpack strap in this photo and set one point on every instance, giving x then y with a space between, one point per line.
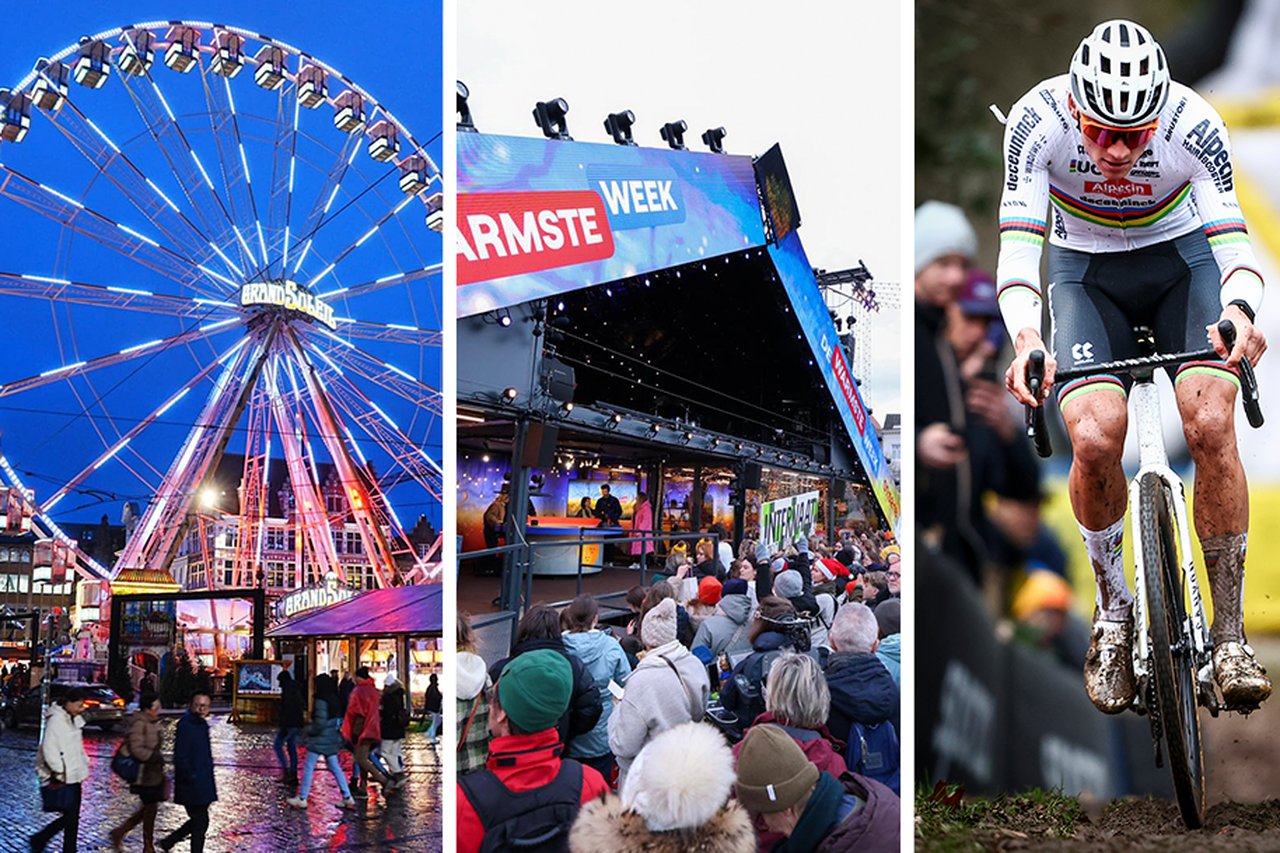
688 694
494 803
475 706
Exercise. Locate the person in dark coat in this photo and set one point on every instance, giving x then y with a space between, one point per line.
323 741
291 719
394 713
813 809
540 629
608 508
434 702
862 689
194 787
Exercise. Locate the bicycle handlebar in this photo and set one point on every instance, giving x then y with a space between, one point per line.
1037 428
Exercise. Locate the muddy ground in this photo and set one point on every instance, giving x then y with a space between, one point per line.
1242 775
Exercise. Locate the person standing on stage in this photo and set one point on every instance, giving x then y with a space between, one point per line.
608 509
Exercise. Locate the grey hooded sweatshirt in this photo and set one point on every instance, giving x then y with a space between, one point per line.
727 630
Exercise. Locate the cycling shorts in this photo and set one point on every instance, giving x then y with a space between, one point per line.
1096 300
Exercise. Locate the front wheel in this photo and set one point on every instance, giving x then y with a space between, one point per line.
1172 652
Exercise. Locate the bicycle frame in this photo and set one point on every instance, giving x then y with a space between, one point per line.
1145 405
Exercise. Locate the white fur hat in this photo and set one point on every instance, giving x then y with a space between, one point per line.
681 778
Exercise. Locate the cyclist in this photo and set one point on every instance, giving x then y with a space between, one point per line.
1135 170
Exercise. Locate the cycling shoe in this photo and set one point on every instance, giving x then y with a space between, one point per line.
1241 678
1108 666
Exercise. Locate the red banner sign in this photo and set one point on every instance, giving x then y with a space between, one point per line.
505 234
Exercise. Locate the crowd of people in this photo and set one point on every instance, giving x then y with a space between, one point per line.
751 701
350 714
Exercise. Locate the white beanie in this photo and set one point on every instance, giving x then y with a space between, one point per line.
942 229
681 778
659 625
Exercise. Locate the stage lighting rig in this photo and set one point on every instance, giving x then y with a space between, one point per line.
673 134
509 394
713 138
551 117
613 421
619 127
465 124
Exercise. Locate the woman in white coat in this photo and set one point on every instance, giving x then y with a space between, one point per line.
61 761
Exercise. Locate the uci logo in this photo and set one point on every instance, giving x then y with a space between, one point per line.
1081 353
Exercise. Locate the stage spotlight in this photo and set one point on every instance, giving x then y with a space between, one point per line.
509 394
567 405
714 139
619 127
657 428
504 319
739 445
673 134
550 116
715 442
465 124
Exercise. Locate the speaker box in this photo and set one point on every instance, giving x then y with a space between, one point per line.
560 380
751 476
841 486
540 446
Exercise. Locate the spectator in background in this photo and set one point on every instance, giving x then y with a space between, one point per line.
194 787
861 687
725 631
540 629
289 724
724 549
362 727
605 661
324 740
144 746
61 762
668 687
812 808
394 713
585 510
608 508
677 797
945 245
433 704
774 630
1045 620
472 685
657 593
642 525
531 695
635 600
889 622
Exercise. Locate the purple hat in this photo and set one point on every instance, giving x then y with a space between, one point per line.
978 298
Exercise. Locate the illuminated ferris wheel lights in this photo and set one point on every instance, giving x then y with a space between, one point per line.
93 67
138 53
213 274
209 326
349 116
114 147
68 199
227 261
46 279
184 47
229 60
65 367
313 88
200 166
126 229
270 73
324 272
137 347
103 461
131 290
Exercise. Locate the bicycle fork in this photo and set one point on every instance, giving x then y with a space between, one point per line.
1153 459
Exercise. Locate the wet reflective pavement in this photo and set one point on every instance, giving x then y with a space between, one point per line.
250 815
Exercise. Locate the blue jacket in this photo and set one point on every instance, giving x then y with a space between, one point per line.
193 783
890 654
861 689
604 659
323 737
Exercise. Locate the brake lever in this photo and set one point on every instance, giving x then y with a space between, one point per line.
1248 380
1037 425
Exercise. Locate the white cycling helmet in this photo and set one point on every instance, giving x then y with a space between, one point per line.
1119 75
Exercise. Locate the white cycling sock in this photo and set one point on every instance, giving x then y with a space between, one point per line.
1106 554
1224 563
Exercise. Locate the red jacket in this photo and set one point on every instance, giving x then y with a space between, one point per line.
824 750
522 763
365 701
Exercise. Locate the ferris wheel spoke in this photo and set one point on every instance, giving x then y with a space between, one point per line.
158 533
101 229
283 168
123 441
393 280
133 184
81 368
390 332
394 379
360 241
234 167
328 195
109 296
184 163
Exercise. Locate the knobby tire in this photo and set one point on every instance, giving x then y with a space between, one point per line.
1174 671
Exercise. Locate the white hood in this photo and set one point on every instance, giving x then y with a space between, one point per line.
472 675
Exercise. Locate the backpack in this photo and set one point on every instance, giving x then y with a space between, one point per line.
749 680
537 820
873 752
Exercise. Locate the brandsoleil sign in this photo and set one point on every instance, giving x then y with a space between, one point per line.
287 295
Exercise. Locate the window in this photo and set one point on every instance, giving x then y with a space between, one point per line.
26 555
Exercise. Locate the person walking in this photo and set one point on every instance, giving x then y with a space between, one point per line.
434 701
323 741
144 746
362 726
61 763
395 717
291 719
194 787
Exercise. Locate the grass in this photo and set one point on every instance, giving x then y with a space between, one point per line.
951 824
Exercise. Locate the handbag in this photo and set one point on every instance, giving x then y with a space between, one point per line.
56 797
125 765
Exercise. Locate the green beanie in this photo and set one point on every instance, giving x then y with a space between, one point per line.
534 689
773 772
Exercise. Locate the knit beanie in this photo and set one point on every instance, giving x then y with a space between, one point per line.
534 689
845 557
942 229
734 586
889 616
709 591
659 625
789 584
773 773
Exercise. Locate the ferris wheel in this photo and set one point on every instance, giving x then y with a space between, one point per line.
217 245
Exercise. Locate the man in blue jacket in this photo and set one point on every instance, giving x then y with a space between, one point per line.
193 783
862 690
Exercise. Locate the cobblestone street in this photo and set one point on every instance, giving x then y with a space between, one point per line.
250 815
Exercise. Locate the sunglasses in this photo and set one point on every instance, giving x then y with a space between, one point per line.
1106 136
